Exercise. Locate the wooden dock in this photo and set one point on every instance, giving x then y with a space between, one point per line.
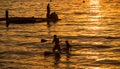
53 17
24 20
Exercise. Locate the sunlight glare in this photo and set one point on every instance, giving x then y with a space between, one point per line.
96 68
94 2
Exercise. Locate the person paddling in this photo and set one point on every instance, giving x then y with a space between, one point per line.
67 46
57 45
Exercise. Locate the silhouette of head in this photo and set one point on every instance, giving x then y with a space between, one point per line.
48 4
66 41
55 36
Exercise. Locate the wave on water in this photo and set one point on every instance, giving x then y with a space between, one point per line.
115 50
75 37
111 62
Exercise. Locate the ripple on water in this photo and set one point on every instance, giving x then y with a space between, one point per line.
111 62
115 50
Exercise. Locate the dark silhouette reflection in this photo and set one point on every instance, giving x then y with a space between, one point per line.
7 36
48 24
68 46
67 61
56 56
49 28
57 59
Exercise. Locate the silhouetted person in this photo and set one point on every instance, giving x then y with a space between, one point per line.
54 16
67 47
7 22
48 10
57 45
54 38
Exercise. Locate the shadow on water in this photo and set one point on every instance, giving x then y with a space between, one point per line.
57 56
67 60
91 46
19 52
49 25
115 50
57 60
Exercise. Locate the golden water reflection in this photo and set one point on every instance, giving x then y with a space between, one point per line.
89 27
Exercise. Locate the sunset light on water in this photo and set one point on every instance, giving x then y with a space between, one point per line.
92 28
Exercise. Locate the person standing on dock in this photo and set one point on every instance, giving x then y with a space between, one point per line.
6 14
48 10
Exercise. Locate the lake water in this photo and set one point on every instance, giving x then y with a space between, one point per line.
92 28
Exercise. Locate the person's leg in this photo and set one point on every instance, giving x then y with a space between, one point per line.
59 49
53 49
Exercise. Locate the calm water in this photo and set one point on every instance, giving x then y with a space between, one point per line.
92 28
